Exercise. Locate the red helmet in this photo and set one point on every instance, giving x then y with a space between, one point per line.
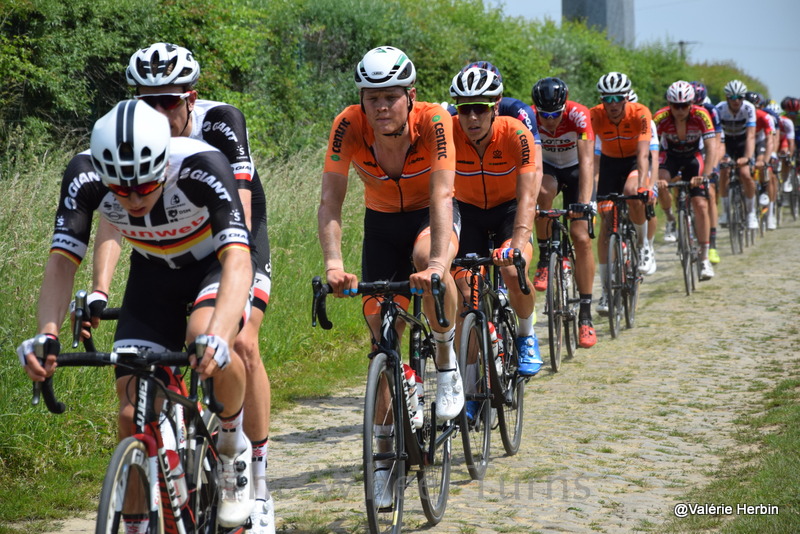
790 104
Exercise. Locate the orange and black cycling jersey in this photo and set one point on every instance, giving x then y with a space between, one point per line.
622 140
431 150
490 181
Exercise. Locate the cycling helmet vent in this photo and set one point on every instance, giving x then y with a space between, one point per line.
475 81
614 83
680 92
549 94
735 88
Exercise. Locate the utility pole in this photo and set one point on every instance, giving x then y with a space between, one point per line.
682 47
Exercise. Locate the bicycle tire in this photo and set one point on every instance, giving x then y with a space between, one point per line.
736 221
554 303
573 301
794 196
684 250
203 477
613 283
475 436
510 400
630 289
433 477
130 457
381 412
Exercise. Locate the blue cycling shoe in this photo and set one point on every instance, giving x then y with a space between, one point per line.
530 360
472 411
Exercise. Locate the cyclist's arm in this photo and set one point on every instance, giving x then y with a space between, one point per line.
643 161
232 295
587 163
329 228
527 193
750 143
107 249
537 157
441 219
596 172
246 196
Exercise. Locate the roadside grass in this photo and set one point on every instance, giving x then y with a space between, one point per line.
762 472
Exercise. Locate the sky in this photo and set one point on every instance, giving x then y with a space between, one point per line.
718 30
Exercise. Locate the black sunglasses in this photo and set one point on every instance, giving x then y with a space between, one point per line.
167 101
479 108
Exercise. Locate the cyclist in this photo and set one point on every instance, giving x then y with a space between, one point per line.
133 174
786 143
403 152
765 134
738 117
682 126
568 160
496 189
701 99
622 162
648 265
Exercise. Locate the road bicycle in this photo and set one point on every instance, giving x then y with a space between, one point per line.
761 177
736 209
169 463
391 441
623 276
788 189
488 359
562 301
688 245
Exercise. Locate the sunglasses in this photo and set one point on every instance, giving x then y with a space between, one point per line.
549 114
608 99
735 97
142 189
683 105
167 101
478 108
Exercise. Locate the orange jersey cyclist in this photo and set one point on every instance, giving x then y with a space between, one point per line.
402 150
496 188
622 162
568 161
682 127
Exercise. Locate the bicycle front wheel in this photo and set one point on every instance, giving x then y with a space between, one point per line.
684 250
433 477
794 196
572 308
202 461
476 431
555 310
510 391
127 481
384 467
613 283
630 287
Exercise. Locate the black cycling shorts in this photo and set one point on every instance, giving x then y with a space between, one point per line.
689 166
478 225
614 173
389 240
568 179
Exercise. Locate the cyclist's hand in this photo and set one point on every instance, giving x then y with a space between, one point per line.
33 367
697 181
662 184
503 256
421 281
343 284
579 210
742 161
648 198
759 164
216 356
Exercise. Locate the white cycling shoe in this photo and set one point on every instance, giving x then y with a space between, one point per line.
449 394
383 489
237 491
262 520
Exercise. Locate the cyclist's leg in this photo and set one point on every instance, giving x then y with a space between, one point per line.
547 193
665 200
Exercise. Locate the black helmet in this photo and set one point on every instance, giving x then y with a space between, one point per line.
753 97
549 94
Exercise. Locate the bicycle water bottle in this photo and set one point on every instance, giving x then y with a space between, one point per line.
567 268
493 339
412 399
625 255
498 349
178 476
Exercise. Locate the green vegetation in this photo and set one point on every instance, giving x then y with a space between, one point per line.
288 66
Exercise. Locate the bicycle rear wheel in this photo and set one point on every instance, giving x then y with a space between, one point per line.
475 434
794 196
382 432
128 477
614 283
433 477
685 251
555 310
510 390
736 221
573 301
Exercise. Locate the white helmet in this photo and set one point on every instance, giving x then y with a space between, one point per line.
680 92
475 81
632 96
385 66
774 108
130 144
162 64
735 88
614 83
